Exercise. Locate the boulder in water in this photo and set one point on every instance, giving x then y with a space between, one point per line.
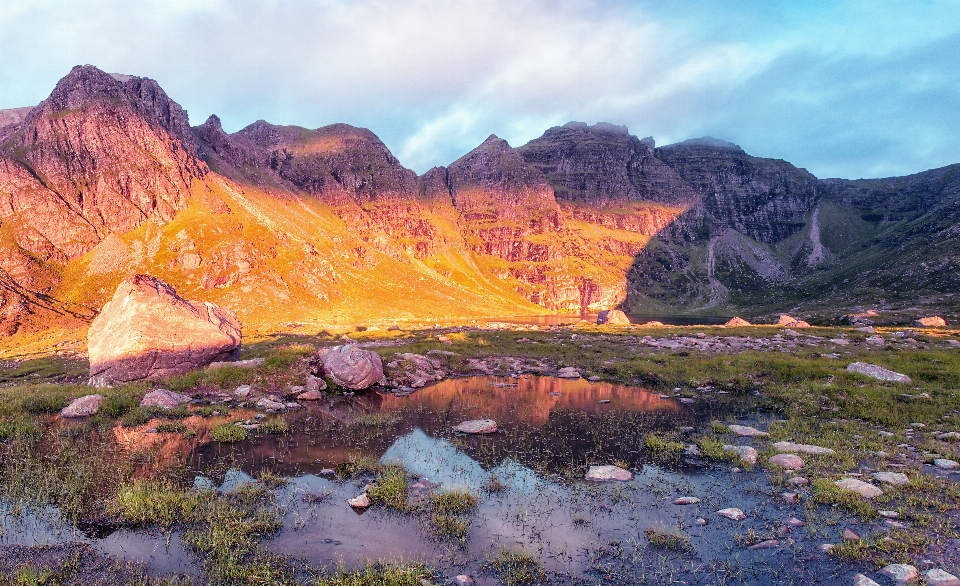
351 367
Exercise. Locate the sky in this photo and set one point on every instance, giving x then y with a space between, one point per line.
847 89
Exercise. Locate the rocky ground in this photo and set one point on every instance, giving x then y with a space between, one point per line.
858 429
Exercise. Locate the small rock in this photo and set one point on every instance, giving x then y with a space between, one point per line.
701 521
746 453
851 535
950 435
789 497
613 317
686 500
794 522
477 426
608 473
884 433
798 481
903 573
687 401
594 379
604 401
802 448
82 407
860 579
878 372
747 431
265 403
864 489
251 363
164 399
893 524
768 544
732 513
315 383
462 580
827 548
310 396
889 514
945 464
568 372
894 478
938 577
242 391
361 501
790 461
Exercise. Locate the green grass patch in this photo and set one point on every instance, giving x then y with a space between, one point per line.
228 433
515 566
663 450
275 426
828 493
390 488
671 540
380 574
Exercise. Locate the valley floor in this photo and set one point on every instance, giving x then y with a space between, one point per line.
188 496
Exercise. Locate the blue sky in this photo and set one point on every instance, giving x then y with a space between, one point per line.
845 89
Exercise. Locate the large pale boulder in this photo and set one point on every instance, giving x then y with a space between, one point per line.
147 331
878 372
351 367
613 317
737 322
934 321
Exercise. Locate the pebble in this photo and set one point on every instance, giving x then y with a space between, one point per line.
851 535
768 544
798 481
746 453
477 426
864 489
687 401
686 500
568 372
894 478
604 401
790 497
701 521
945 464
361 501
861 580
950 435
901 572
462 580
802 448
608 473
83 407
732 513
889 514
790 461
242 391
938 577
794 522
747 431
826 547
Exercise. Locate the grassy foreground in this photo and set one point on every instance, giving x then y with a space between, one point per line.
803 395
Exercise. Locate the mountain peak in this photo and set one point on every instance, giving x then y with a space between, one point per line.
709 142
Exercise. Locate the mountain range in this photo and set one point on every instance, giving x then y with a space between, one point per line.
290 226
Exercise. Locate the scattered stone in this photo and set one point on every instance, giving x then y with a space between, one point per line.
802 448
938 577
790 461
351 367
243 391
82 407
790 498
607 473
613 317
594 379
462 580
310 396
949 436
798 481
864 489
146 330
701 521
265 403
889 514
894 478
827 548
859 579
794 522
886 433
878 372
732 513
687 400
164 399
746 453
477 426
568 372
945 464
686 500
851 535
315 383
903 573
934 321
251 363
768 544
747 431
604 401
361 501
866 330
893 524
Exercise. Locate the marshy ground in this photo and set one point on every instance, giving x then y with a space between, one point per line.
133 495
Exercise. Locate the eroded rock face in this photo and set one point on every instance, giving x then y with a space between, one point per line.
351 367
146 330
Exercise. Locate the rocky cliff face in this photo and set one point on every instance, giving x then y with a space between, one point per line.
106 178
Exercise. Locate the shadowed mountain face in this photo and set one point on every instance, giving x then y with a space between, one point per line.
106 178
